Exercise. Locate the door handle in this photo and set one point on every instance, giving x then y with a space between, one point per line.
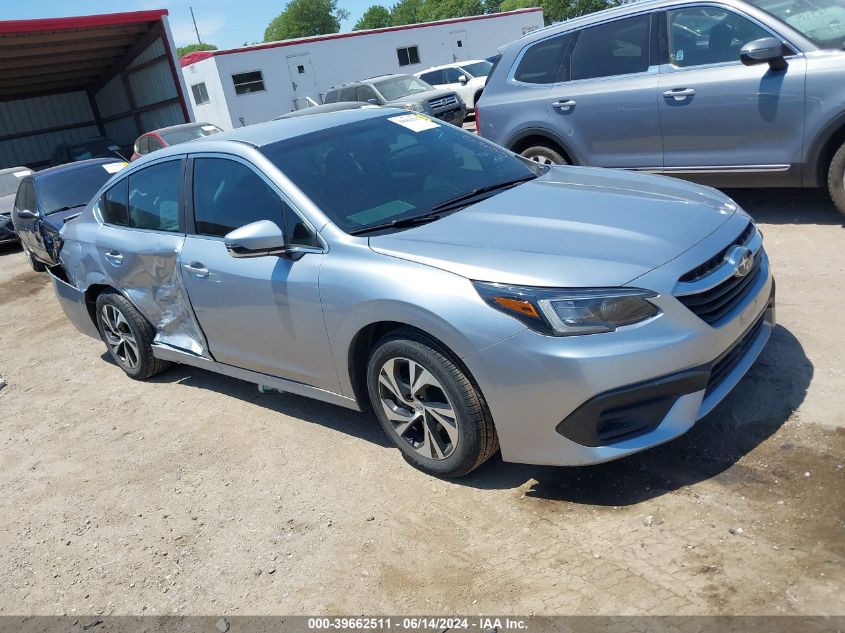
679 93
114 257
564 104
197 269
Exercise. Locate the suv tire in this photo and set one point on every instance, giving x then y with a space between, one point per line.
444 427
128 336
836 179
544 153
36 265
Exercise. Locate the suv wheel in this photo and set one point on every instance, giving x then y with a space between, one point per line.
836 179
36 265
545 154
128 336
428 407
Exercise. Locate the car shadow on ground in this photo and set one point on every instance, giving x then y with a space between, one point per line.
788 206
361 425
760 404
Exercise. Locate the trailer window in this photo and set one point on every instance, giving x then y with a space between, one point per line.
200 93
248 82
408 55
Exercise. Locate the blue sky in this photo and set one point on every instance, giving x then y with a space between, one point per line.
227 23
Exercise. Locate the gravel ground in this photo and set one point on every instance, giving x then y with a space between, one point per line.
193 493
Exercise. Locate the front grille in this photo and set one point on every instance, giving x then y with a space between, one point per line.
713 304
443 102
702 270
729 360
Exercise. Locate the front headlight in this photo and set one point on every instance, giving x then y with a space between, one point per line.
563 312
413 107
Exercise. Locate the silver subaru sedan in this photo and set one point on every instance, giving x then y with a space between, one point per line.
474 300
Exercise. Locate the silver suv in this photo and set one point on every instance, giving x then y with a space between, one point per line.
377 258
403 91
726 92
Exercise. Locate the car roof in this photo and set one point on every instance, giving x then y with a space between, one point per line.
324 108
174 128
451 65
369 80
261 134
67 167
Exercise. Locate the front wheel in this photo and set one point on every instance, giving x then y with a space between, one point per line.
428 407
544 154
836 179
128 336
36 265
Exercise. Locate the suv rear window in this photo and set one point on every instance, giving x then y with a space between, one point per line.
620 47
543 62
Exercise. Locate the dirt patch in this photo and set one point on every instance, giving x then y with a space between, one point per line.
22 285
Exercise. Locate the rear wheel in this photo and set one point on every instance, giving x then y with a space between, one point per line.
428 407
128 336
545 154
836 179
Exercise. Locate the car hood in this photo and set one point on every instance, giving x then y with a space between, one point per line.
571 227
419 97
57 220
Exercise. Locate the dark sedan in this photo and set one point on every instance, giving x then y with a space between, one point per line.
49 198
9 180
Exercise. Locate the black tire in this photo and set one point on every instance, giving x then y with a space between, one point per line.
143 333
836 179
545 153
476 435
36 265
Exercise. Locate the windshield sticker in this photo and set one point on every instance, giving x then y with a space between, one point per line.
381 212
113 168
21 174
414 122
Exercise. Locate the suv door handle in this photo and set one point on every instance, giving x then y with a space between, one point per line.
197 269
679 93
564 104
114 257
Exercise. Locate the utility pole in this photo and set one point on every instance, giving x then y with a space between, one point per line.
199 39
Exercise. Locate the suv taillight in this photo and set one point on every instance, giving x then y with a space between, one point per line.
475 109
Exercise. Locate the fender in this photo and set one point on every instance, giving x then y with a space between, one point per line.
549 135
813 174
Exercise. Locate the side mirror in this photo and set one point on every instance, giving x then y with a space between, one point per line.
463 79
258 239
766 50
26 214
373 101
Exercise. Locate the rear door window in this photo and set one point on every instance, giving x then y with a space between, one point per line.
435 77
620 47
154 194
114 204
543 63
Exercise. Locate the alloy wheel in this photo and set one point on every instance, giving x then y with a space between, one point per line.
543 160
417 406
119 336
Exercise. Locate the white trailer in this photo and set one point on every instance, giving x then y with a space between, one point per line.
241 86
65 80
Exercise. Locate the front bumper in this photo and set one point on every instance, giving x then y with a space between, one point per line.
73 303
591 399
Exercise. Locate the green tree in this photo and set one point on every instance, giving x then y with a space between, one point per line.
406 12
432 10
302 18
193 48
376 17
557 10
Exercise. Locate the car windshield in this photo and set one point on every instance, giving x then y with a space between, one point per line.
184 134
477 69
391 167
399 87
72 188
92 149
9 181
820 21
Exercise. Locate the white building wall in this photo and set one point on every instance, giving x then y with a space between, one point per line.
216 110
343 59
